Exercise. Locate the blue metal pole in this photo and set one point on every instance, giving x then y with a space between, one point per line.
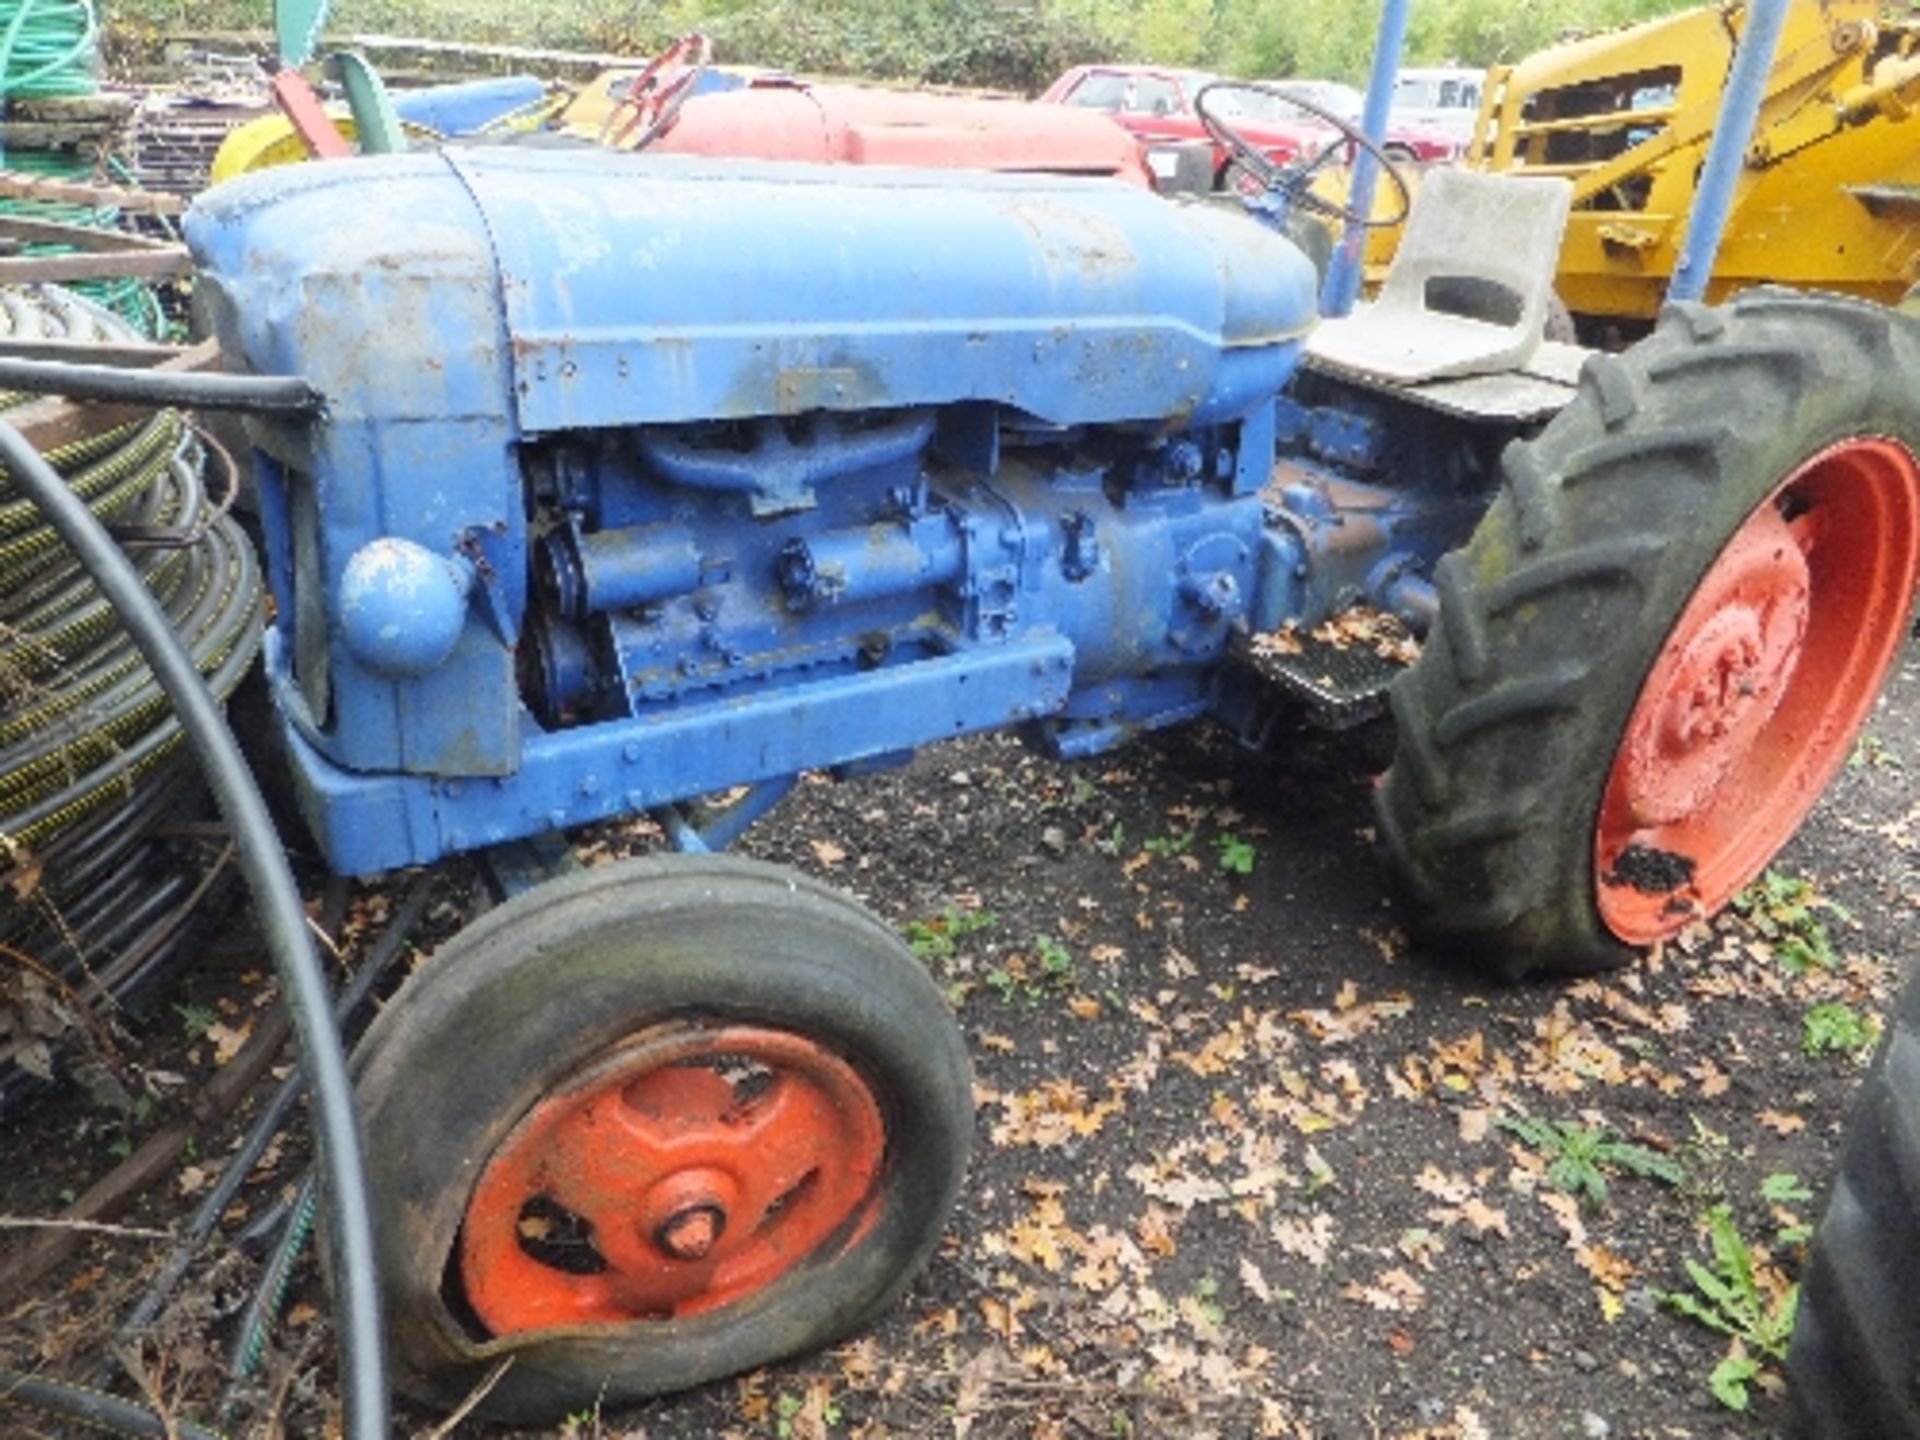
1739 108
1342 284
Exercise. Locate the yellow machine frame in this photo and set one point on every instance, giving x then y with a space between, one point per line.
1830 193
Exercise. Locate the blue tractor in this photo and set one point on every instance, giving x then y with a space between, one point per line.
644 478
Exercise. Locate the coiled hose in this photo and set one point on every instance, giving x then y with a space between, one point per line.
93 897
50 49
283 921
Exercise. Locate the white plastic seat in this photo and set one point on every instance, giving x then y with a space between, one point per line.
1468 290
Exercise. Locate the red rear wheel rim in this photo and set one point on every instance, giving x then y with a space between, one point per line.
686 1169
1759 689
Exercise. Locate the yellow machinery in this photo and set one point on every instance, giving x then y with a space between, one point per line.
1830 193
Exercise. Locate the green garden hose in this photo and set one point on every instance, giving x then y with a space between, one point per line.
50 49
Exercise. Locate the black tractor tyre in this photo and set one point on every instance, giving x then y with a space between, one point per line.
1854 1363
540 991
1552 616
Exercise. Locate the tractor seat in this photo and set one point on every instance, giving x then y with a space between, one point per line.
1468 289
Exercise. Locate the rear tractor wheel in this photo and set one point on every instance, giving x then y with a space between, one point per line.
651 1125
1663 638
1857 1330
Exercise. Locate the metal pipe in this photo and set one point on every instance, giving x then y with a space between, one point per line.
283 918
1342 285
1739 109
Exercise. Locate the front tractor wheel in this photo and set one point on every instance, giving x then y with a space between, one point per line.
1663 638
651 1125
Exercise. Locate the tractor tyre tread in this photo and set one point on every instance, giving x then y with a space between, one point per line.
1856 1333
1554 611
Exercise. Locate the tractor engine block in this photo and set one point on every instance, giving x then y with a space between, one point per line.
641 478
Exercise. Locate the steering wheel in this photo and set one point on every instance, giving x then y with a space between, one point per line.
1294 181
654 97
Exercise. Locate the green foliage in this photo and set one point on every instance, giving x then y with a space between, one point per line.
1206 1299
1028 978
1780 1190
1837 1029
1004 44
1236 855
1579 1157
1176 844
195 1020
1783 1187
1727 1298
1871 752
1785 910
937 939
789 1419
1056 961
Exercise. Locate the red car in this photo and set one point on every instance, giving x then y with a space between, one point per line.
1156 105
1423 136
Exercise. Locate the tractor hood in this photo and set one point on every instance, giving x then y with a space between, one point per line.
597 289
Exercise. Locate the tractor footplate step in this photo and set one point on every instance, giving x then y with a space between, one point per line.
1341 676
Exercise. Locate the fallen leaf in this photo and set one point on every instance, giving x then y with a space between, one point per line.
1309 1239
1255 1282
1483 1217
1442 1186
227 1039
1713 1080
1394 1291
25 877
1000 1318
1566 1210
1155 1230
1609 1270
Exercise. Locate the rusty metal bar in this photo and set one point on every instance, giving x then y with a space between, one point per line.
159 263
15 185
129 354
80 237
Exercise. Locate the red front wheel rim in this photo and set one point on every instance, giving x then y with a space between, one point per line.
1759 689
688 1168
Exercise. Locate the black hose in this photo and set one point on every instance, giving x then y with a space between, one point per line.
90 1407
283 919
199 390
385 950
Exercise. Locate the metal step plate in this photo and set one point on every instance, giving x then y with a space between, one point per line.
1340 670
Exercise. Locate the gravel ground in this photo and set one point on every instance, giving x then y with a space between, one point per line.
1245 1164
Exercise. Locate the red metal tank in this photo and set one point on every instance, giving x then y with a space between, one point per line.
844 124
